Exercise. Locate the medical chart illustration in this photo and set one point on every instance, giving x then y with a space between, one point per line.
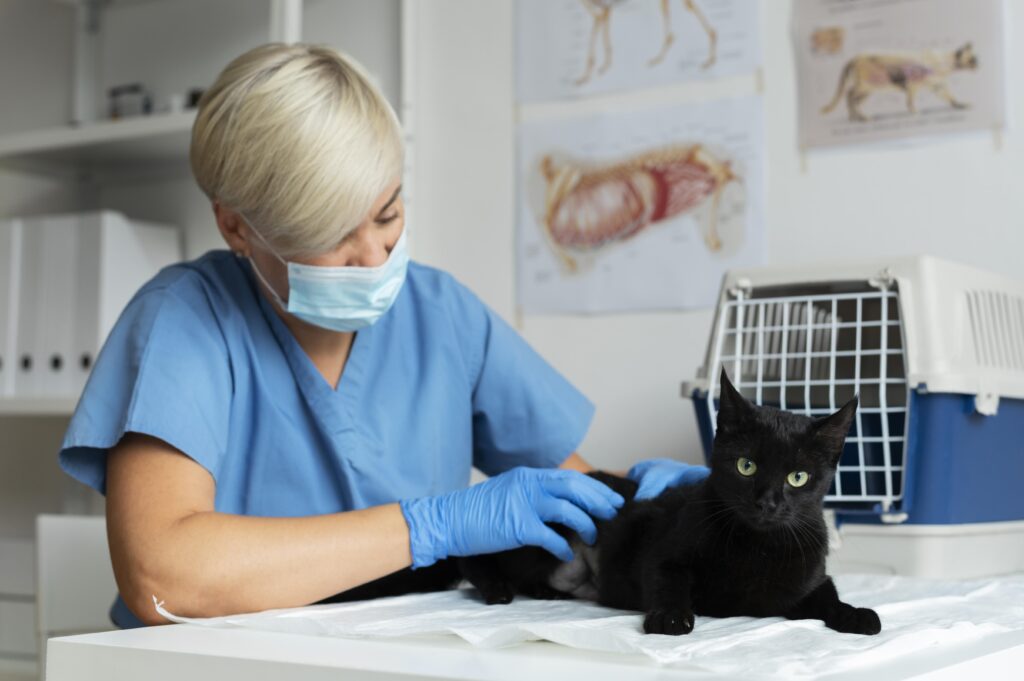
588 208
871 72
575 48
638 210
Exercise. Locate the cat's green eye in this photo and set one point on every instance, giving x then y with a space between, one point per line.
745 466
797 478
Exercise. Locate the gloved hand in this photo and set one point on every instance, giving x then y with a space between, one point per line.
506 512
655 475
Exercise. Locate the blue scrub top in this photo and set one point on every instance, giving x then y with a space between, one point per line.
200 360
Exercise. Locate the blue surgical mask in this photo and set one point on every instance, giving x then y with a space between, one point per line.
341 298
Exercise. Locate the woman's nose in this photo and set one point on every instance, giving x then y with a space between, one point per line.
372 250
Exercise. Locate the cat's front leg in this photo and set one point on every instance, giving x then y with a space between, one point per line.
823 604
484 573
667 599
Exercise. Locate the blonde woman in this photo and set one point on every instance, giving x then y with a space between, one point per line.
294 417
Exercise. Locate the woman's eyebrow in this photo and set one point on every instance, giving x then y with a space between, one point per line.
391 200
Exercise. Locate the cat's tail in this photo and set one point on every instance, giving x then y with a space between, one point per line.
844 76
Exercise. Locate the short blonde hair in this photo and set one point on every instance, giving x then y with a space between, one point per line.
300 141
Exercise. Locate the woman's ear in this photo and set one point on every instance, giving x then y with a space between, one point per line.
233 228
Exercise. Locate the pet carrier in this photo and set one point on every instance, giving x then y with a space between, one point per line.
931 480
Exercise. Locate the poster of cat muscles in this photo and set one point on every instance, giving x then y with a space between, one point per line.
870 71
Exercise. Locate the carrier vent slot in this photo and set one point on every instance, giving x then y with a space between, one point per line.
997 327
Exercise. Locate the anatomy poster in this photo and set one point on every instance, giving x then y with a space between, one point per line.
572 48
639 210
871 70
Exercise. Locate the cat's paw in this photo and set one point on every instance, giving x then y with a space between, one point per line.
497 594
671 621
857 621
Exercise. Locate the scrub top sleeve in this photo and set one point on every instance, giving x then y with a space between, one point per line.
524 412
163 371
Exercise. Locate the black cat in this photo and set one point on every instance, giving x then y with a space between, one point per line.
748 540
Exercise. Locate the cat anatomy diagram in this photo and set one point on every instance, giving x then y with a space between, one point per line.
866 74
601 13
640 209
877 71
575 48
591 207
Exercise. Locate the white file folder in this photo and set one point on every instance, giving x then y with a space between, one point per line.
87 335
60 236
31 320
78 271
10 275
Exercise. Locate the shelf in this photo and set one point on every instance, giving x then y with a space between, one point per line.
157 139
37 406
75 3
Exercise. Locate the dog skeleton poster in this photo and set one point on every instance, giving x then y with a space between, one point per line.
572 48
871 70
639 210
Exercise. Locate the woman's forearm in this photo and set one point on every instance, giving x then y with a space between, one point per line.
166 540
213 563
575 462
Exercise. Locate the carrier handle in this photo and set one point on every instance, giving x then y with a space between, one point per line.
986 403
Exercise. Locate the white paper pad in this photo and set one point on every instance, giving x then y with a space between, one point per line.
916 615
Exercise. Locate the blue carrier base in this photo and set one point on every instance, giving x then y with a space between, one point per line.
962 466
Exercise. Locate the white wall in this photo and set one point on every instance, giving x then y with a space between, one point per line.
175 44
959 198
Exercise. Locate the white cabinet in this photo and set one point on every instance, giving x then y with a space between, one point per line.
17 600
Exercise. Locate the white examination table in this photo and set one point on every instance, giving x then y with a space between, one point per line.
940 630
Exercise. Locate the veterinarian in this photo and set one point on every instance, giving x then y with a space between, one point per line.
296 416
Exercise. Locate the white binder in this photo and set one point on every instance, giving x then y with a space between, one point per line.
86 337
61 258
78 271
10 268
31 318
123 255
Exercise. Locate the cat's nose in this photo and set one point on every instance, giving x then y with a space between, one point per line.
767 505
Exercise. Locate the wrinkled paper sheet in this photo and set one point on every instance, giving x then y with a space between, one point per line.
917 615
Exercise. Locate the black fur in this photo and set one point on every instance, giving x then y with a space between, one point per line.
442 575
730 545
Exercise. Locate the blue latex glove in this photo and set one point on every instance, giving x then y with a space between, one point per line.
655 475
506 512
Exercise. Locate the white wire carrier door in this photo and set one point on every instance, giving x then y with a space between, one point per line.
811 354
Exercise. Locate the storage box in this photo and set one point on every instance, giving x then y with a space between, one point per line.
65 280
936 352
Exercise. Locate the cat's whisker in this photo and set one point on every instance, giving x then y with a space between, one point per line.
796 537
711 517
812 533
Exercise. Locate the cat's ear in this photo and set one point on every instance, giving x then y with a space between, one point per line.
732 407
831 431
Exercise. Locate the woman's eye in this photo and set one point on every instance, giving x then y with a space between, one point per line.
746 467
797 478
387 219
